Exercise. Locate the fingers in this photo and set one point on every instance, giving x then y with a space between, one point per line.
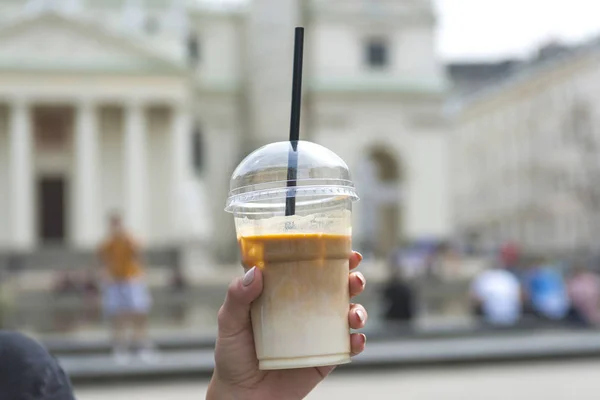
355 259
357 343
356 283
234 315
357 317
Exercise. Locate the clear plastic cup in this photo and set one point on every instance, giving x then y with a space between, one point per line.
301 318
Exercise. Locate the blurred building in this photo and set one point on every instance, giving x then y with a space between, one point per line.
468 77
525 154
144 107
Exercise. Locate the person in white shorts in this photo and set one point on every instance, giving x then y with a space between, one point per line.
126 298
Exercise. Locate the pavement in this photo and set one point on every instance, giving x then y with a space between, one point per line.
523 381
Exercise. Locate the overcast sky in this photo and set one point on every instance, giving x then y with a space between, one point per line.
476 29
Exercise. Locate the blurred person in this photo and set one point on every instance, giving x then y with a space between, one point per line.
178 279
398 297
445 262
512 260
583 288
496 296
546 291
126 298
90 291
89 284
65 283
29 372
510 254
412 259
236 374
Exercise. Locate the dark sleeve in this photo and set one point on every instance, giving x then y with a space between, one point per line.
388 294
410 303
28 371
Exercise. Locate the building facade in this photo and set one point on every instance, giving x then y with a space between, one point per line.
524 156
144 108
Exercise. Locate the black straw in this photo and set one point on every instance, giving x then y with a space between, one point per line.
292 172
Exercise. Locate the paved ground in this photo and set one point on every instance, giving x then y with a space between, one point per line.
551 381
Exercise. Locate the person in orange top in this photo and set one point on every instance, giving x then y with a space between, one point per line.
126 298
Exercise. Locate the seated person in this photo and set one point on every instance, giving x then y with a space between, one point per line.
398 298
584 294
547 292
496 296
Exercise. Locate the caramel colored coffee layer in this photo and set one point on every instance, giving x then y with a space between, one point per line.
262 251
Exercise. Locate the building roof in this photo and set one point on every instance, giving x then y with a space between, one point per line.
548 58
56 41
470 76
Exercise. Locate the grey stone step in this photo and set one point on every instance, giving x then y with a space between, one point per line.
376 331
60 258
388 353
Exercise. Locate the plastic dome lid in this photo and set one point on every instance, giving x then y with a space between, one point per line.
260 182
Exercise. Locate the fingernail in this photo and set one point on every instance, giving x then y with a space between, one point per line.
360 256
364 338
361 278
361 315
248 277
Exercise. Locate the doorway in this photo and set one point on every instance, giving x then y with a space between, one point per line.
51 209
381 178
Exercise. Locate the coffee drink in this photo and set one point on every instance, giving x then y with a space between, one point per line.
301 318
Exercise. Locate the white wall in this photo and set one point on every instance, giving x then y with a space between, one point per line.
533 135
336 51
222 139
414 54
428 195
338 54
270 43
4 180
421 155
220 51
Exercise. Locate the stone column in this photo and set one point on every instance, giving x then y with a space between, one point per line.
87 178
180 158
181 130
21 177
135 168
191 215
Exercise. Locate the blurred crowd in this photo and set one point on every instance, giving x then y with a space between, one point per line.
539 288
503 288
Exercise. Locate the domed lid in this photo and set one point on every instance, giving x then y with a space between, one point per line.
260 182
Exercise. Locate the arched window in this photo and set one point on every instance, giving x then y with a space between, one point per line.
197 150
385 164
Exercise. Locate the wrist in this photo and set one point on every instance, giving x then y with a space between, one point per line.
217 390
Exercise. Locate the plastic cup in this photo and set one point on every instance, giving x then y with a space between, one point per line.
301 318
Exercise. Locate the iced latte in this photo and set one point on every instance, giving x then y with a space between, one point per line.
301 318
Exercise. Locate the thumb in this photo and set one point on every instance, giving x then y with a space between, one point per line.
234 315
